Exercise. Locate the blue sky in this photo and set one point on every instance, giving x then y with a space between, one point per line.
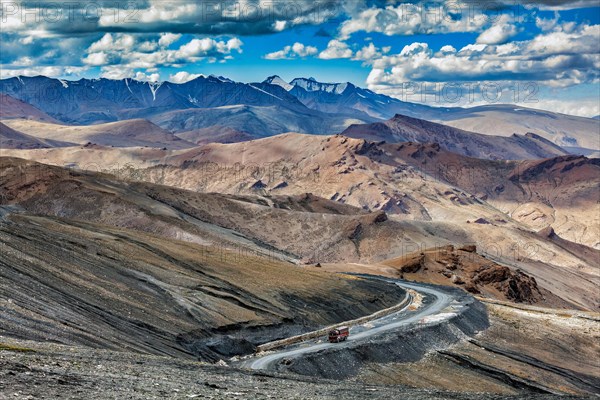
547 51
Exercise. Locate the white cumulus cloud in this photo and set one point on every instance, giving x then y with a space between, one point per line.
183 76
120 49
166 39
566 56
336 49
294 51
500 32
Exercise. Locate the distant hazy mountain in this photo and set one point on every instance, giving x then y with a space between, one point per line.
407 129
494 119
93 101
257 121
276 80
567 131
104 100
215 134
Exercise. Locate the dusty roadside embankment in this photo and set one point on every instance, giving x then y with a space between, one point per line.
323 332
463 267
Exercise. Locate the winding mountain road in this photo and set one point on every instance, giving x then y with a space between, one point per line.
437 305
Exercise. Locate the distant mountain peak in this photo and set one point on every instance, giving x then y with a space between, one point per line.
219 78
401 117
276 80
311 85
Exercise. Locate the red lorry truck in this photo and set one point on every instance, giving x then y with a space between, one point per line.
339 334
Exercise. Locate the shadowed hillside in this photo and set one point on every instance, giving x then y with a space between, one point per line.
81 283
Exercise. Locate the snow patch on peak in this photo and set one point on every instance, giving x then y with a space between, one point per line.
340 88
154 86
311 85
276 80
265 92
193 100
127 83
223 79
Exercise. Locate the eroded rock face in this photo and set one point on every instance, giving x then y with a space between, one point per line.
469 248
462 266
514 284
414 264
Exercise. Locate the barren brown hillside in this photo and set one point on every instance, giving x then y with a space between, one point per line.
12 139
301 229
12 108
562 192
129 133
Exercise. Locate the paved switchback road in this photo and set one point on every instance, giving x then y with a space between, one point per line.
437 305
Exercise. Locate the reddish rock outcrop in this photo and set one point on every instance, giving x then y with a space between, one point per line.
464 267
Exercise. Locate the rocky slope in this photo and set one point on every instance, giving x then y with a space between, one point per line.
74 282
96 260
407 129
51 371
420 182
463 267
525 346
560 192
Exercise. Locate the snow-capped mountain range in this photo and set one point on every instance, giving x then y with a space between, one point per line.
341 97
274 106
